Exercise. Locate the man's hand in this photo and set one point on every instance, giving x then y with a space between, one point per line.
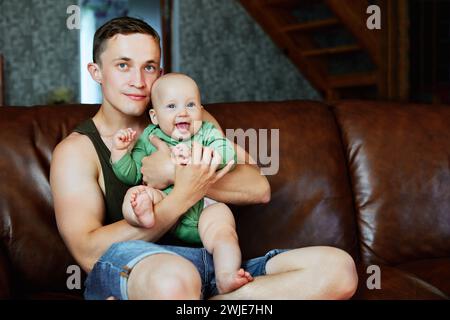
193 180
158 169
181 154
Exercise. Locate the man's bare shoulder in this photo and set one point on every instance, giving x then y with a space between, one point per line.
75 151
74 140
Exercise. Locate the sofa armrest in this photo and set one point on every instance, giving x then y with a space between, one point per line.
5 276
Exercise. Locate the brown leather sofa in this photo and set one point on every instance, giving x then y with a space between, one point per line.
370 178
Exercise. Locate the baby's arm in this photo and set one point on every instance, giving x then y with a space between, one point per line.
126 165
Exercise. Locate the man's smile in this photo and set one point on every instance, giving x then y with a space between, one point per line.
136 97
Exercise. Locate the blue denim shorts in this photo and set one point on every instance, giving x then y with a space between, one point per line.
109 275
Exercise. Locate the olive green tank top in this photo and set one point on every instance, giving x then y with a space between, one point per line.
114 188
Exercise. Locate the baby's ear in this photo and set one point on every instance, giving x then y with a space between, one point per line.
153 117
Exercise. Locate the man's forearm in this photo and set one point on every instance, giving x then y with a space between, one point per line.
244 185
167 213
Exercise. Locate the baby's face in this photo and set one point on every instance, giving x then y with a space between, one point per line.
177 108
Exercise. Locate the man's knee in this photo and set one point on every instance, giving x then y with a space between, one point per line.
168 277
342 278
176 287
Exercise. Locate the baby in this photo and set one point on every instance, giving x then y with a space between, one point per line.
177 120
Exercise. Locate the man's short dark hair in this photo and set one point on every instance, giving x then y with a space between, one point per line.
121 25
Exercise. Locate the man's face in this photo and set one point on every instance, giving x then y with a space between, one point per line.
129 66
177 108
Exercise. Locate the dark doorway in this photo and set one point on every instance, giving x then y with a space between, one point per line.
430 51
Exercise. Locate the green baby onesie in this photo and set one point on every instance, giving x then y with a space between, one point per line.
128 169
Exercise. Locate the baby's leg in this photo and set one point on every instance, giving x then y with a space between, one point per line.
218 233
138 204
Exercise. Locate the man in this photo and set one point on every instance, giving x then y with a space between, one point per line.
123 261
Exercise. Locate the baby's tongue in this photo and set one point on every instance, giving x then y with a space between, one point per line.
182 126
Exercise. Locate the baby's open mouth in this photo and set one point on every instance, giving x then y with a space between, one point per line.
183 126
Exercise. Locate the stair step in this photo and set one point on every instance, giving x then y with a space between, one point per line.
313 25
282 3
353 80
290 3
328 51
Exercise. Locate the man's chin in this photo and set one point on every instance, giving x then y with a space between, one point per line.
135 109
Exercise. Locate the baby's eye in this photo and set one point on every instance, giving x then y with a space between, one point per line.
171 106
191 105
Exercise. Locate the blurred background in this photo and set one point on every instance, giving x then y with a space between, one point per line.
238 50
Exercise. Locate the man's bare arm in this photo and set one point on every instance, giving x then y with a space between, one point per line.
79 205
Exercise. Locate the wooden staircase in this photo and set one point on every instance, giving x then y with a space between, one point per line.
329 42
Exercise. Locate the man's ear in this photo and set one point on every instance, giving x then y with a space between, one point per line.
153 117
96 73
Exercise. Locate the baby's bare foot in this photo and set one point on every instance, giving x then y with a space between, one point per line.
227 282
142 204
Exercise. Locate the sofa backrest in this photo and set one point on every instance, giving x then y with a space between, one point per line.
399 163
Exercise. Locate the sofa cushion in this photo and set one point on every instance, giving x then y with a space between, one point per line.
434 271
399 160
396 284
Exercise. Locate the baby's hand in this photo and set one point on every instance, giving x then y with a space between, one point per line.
123 138
181 154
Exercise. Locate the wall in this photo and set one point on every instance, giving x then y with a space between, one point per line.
230 56
41 53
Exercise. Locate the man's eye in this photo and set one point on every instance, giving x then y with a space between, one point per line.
150 68
191 105
122 65
171 106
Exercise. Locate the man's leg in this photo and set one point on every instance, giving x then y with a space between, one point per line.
306 273
164 276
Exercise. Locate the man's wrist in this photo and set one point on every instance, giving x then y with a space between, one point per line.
171 173
179 201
